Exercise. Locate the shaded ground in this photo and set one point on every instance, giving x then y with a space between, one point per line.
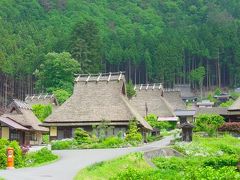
71 161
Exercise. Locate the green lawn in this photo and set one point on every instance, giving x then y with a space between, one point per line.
108 169
206 158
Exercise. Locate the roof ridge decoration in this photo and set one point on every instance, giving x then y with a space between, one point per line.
111 76
153 86
39 96
21 104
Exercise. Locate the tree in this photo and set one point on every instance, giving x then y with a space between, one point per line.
198 75
133 135
86 46
61 95
57 72
130 90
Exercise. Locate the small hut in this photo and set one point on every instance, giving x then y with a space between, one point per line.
95 98
20 124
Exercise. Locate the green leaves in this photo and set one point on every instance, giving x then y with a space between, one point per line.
209 123
42 111
57 72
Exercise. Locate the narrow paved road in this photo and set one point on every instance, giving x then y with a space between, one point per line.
71 161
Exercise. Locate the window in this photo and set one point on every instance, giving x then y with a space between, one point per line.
14 135
33 137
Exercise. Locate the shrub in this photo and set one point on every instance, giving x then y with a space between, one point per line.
64 144
230 127
209 123
81 136
61 95
42 111
133 136
211 173
227 103
3 149
130 90
153 121
221 161
112 142
46 139
42 156
217 92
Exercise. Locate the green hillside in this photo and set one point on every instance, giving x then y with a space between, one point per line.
154 41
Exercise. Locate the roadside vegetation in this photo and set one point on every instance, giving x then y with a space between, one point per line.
210 156
22 158
205 158
98 138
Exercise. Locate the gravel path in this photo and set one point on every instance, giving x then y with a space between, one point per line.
71 161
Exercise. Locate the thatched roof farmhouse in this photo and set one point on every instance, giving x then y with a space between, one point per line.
95 98
150 99
19 123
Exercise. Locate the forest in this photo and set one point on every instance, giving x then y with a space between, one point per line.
152 41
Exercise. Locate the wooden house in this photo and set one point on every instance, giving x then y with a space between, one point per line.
95 98
20 124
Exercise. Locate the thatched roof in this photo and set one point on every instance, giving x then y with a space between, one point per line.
149 100
21 113
185 90
96 98
213 110
235 106
44 99
174 98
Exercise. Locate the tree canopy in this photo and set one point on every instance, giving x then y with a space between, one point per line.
153 41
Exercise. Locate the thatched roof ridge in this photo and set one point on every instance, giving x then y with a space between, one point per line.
111 76
154 86
21 113
94 101
41 99
151 102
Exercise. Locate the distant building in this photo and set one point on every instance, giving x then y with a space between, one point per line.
223 97
150 99
45 99
186 92
95 98
20 124
205 104
234 111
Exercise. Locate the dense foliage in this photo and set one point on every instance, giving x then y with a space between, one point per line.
157 40
57 72
209 123
161 125
130 90
42 111
61 95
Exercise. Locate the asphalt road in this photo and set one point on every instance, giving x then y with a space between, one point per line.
71 161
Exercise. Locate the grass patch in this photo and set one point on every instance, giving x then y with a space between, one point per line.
214 158
108 169
210 146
